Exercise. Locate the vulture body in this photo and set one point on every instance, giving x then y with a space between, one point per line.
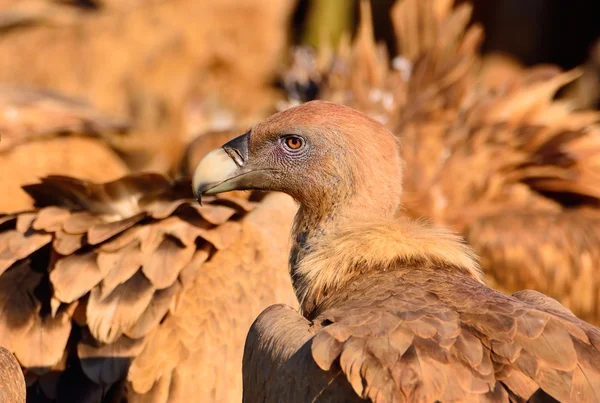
130 290
391 309
489 152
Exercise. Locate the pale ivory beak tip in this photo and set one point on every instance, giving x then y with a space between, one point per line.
215 168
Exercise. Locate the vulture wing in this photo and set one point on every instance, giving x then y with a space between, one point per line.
425 335
195 353
89 276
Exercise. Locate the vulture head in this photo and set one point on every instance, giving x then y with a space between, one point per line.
345 171
330 158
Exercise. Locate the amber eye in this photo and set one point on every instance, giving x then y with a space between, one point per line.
293 143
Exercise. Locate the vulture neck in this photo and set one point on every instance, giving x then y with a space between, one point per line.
326 216
345 238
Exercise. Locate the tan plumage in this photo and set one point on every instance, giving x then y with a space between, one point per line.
391 310
46 133
198 349
414 345
516 151
565 244
12 383
28 114
104 277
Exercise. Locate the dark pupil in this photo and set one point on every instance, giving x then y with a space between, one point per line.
294 143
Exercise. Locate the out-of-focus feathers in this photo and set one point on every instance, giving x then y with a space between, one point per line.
44 133
477 143
28 114
95 269
155 57
585 92
559 250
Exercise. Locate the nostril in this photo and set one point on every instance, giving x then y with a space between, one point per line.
237 149
236 156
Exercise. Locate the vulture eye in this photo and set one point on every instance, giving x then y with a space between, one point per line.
293 143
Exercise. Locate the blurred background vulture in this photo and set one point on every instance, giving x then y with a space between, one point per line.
50 127
115 284
391 309
489 152
132 280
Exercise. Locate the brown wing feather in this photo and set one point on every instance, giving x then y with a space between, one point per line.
407 335
195 352
97 269
424 335
278 363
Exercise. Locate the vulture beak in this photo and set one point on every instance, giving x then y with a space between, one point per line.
225 169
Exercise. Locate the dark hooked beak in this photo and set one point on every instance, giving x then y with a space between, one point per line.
225 169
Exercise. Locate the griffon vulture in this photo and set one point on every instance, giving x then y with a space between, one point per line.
390 309
529 166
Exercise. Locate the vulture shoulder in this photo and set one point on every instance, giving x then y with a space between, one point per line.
422 329
414 337
278 362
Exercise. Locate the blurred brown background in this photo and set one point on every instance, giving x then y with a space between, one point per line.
534 31
159 73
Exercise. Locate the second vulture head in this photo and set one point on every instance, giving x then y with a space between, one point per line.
328 157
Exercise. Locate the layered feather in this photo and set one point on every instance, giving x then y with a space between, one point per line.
97 273
422 330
